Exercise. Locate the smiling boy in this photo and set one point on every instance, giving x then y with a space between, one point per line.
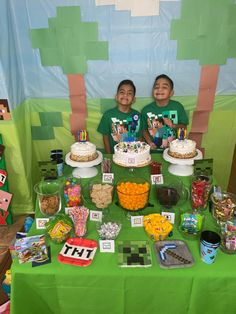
172 112
122 123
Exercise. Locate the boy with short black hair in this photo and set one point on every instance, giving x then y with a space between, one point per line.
172 112
122 123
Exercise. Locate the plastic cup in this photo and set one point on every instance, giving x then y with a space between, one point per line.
209 244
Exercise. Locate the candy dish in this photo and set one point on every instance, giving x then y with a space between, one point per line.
133 193
172 192
100 194
108 230
49 197
157 226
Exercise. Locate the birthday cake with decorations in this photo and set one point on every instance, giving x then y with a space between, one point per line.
83 150
132 154
181 147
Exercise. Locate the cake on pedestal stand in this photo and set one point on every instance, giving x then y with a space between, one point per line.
181 167
84 169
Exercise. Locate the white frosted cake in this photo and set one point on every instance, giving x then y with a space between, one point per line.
128 154
83 151
182 148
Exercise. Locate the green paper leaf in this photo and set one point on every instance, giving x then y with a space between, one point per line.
96 50
42 133
51 118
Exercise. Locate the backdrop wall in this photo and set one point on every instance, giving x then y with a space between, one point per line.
55 52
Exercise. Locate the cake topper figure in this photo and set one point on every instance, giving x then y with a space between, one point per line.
83 136
181 134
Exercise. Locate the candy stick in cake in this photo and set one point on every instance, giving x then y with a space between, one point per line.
82 136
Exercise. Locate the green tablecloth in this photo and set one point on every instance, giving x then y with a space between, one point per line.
105 288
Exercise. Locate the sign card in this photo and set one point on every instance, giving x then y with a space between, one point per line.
157 179
107 246
136 221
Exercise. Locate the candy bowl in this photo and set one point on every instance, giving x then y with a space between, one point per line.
133 193
108 229
49 196
223 206
171 193
157 226
101 194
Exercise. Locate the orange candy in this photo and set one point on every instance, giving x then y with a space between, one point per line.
133 196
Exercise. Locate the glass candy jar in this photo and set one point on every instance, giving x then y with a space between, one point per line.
49 196
223 206
200 191
228 236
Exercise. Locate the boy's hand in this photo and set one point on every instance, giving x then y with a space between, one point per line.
153 145
169 122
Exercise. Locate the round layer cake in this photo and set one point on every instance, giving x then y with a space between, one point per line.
83 151
132 154
182 149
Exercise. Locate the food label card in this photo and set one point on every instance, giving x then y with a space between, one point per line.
108 177
95 215
157 179
107 246
136 221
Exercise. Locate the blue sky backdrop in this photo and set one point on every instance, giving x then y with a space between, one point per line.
139 49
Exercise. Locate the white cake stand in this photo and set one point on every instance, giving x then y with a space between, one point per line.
84 169
181 167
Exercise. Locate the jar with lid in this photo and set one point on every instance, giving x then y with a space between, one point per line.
57 156
200 191
228 236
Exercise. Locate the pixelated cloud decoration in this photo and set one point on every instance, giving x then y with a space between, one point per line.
136 7
69 42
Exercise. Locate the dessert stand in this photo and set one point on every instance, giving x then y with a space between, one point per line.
132 166
181 167
84 169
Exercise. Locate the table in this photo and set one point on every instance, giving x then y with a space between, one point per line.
105 288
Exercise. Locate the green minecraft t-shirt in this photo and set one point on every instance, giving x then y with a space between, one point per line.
152 120
120 126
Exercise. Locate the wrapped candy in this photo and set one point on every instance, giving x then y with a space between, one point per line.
109 230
